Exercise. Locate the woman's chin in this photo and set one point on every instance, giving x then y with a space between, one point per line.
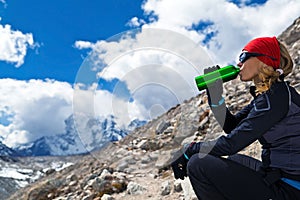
244 79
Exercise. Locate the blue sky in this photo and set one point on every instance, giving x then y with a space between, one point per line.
49 48
55 26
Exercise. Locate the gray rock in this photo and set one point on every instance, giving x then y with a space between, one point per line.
165 188
71 177
107 197
163 160
105 174
145 160
162 126
101 185
141 144
188 191
134 188
122 166
88 197
177 186
169 130
154 155
130 160
150 144
73 183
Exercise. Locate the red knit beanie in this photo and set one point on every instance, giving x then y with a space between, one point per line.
268 46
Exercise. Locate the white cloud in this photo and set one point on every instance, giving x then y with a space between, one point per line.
93 102
235 25
14 45
83 45
158 67
37 108
106 104
135 22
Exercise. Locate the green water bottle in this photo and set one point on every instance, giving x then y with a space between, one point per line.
225 73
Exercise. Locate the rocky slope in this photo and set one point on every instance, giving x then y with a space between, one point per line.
138 167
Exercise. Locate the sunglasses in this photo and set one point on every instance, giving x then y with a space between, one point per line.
246 55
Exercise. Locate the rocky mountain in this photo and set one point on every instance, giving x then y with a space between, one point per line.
6 151
138 166
97 133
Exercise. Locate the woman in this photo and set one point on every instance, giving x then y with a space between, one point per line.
272 117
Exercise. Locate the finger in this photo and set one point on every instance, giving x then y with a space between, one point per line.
219 82
178 175
183 174
208 69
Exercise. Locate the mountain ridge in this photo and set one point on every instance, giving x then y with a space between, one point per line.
98 132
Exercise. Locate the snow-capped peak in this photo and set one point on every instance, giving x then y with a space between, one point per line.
83 134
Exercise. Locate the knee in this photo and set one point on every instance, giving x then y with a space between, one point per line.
197 163
191 164
201 163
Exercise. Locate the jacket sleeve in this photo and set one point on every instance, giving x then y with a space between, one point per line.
267 109
226 119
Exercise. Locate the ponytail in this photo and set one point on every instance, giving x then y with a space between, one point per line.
268 75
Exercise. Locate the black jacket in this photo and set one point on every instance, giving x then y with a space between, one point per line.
273 118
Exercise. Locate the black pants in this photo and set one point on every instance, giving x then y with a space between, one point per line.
234 178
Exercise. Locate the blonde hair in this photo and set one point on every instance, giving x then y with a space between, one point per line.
268 75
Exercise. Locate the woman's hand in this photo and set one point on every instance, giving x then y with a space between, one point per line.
179 167
215 90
